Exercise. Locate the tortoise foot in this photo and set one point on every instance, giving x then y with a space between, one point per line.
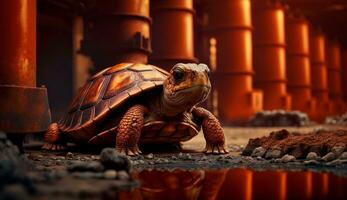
130 151
54 147
215 149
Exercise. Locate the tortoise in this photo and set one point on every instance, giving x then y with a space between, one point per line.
130 104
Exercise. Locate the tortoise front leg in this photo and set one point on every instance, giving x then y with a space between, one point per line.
213 131
129 130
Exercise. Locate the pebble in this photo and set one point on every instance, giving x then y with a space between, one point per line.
312 156
258 152
235 148
149 156
111 159
336 162
69 155
123 175
343 156
87 175
311 162
338 149
110 174
287 158
274 153
329 157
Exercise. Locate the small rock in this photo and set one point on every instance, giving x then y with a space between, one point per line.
110 174
123 175
86 175
273 153
149 156
259 151
311 162
338 149
288 158
329 157
69 155
343 156
312 156
79 166
234 148
113 160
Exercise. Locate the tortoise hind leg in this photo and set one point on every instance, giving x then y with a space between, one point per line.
53 139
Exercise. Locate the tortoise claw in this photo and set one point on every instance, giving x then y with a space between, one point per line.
215 149
130 151
54 147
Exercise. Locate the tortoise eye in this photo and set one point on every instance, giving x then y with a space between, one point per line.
178 75
208 72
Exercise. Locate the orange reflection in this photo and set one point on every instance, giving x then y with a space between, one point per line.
240 184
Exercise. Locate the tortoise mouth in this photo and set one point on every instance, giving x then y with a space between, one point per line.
196 93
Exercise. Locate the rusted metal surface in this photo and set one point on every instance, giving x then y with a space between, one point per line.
298 63
237 100
18 42
118 31
173 35
23 109
319 72
270 53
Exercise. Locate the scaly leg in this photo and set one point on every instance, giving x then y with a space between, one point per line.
213 131
129 130
53 139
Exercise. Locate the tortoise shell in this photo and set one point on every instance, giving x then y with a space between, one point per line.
106 91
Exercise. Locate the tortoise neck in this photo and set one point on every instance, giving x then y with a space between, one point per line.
170 109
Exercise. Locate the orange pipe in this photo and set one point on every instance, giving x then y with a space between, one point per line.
118 31
270 54
334 75
18 42
320 74
344 74
298 63
237 100
173 35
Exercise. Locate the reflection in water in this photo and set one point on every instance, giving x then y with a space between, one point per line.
239 184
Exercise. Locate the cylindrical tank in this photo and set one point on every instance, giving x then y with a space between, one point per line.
172 30
344 75
320 74
230 26
333 55
298 63
23 106
270 53
118 31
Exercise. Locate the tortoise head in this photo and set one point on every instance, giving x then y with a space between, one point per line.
187 85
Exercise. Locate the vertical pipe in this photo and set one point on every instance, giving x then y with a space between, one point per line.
118 31
18 42
237 100
334 75
172 29
319 72
298 63
344 77
320 185
23 107
270 53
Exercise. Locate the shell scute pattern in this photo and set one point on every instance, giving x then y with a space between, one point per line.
107 90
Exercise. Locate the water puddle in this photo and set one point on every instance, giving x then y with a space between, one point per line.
238 184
